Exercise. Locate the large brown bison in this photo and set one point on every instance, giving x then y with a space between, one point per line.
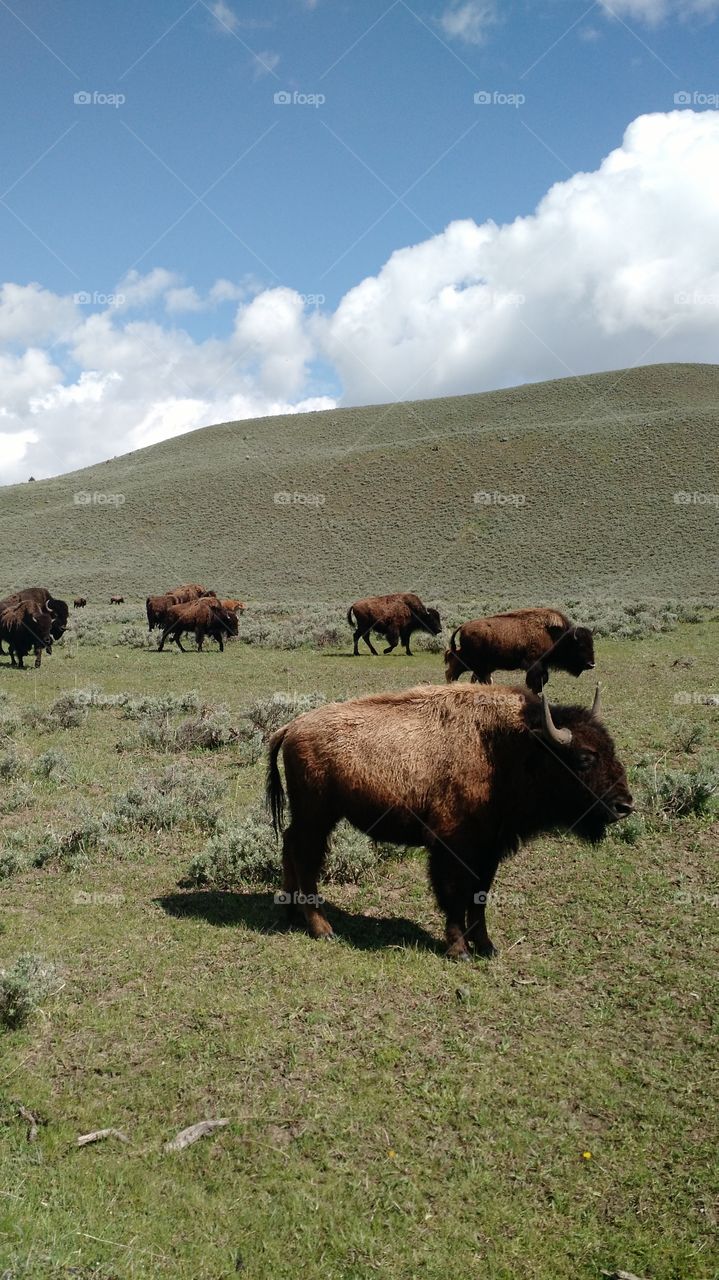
26 626
40 598
156 608
206 617
395 617
531 640
467 772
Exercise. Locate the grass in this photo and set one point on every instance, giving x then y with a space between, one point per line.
598 460
542 1116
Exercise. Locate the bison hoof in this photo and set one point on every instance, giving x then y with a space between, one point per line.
486 952
462 955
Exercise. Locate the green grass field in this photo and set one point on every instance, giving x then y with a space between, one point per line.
543 1116
386 500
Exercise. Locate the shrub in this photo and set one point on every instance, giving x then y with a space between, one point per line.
22 987
249 853
160 705
678 793
179 794
18 796
10 764
137 637
269 714
53 763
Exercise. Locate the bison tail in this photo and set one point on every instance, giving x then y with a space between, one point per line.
350 617
274 790
452 644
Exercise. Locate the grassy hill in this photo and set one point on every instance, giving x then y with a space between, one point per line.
586 469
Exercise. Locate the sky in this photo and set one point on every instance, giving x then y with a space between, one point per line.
220 209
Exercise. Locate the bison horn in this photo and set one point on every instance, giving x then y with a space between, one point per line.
597 704
562 737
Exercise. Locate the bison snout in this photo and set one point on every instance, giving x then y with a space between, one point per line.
622 808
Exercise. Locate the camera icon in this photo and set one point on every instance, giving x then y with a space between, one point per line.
283 899
483 98
82 499
82 98
682 98
283 98
82 299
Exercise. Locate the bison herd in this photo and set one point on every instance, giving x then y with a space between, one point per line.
469 771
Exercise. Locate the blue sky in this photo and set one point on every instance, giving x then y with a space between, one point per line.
201 173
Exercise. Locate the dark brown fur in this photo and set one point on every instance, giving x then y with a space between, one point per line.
467 772
26 626
395 617
206 617
79 602
531 640
117 599
39 598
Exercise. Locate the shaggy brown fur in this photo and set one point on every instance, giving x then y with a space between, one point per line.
117 599
79 602
531 640
25 626
206 617
467 772
395 617
39 598
190 591
237 606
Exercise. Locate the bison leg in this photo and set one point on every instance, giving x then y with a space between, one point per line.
392 638
453 665
305 855
537 677
365 635
449 883
199 639
176 637
220 642
406 637
38 656
163 638
476 914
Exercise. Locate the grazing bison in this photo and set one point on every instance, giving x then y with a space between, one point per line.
237 606
26 626
39 598
467 772
531 640
395 617
156 608
117 599
79 602
206 617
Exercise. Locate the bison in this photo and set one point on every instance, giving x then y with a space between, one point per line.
531 640
39 598
204 617
467 772
79 602
395 617
26 625
237 606
156 608
117 599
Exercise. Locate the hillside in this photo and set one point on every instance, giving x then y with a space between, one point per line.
587 469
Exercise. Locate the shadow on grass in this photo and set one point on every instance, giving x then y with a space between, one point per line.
259 911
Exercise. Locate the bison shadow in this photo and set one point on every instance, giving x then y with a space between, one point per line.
260 912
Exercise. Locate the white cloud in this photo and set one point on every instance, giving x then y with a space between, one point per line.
266 63
615 267
469 20
225 17
655 11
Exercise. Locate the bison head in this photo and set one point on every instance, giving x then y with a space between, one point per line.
431 622
573 649
589 785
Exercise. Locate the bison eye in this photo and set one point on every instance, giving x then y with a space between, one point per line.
585 759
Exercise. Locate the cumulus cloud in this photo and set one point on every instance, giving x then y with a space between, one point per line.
469 20
615 267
